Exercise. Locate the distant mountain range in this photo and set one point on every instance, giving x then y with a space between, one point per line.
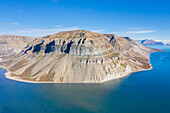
154 42
165 42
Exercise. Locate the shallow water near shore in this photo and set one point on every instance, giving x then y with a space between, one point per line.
141 92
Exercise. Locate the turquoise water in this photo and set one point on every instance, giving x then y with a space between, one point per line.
141 92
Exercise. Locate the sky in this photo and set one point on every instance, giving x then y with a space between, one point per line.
138 19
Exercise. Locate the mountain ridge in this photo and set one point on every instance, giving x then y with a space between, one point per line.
11 44
154 42
78 56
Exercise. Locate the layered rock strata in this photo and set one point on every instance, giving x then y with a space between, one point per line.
78 56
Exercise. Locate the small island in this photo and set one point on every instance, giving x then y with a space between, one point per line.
78 56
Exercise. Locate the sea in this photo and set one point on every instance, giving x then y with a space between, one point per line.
141 92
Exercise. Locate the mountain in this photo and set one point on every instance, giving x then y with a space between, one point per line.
165 42
78 56
10 45
150 42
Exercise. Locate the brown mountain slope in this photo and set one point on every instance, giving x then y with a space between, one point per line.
10 44
78 56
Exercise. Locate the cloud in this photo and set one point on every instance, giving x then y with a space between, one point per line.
20 11
14 23
98 31
138 28
58 26
38 31
11 24
54 1
140 32
89 9
135 32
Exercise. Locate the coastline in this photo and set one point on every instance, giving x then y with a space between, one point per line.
8 76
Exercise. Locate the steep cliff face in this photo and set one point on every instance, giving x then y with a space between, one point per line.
78 56
10 44
134 53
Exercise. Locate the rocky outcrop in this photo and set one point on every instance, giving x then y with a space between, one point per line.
10 45
78 57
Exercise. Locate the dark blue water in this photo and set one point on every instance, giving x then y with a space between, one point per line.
142 92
